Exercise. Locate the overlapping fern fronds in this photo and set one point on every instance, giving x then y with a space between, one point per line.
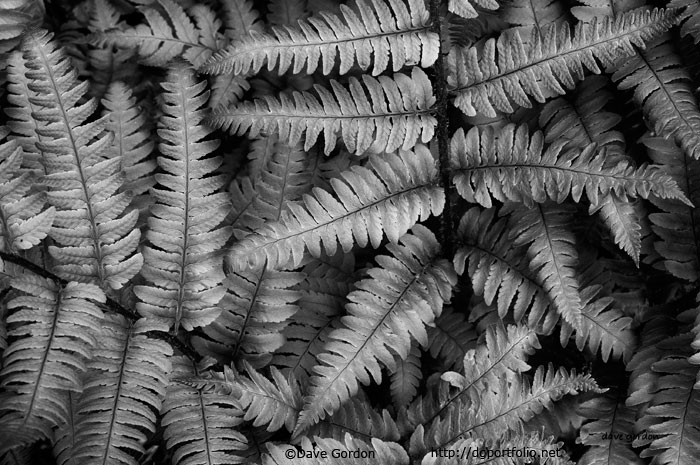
97 238
506 70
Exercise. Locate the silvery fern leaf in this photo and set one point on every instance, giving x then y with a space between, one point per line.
125 384
387 196
17 16
406 377
366 124
274 403
386 311
97 238
678 225
20 110
368 35
53 329
502 408
583 122
509 165
200 426
132 137
502 356
609 435
182 264
259 303
551 252
499 272
386 453
170 33
507 70
451 338
23 220
359 418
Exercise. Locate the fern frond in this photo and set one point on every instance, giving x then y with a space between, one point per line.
132 138
610 434
536 13
508 69
501 357
499 272
690 18
181 262
504 409
385 312
17 17
386 453
389 196
357 417
200 427
124 386
97 238
678 227
669 422
53 329
602 327
170 32
287 12
509 165
451 338
274 404
23 224
584 121
552 254
662 88
368 35
365 123
405 377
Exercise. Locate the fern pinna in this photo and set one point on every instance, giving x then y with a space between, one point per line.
374 231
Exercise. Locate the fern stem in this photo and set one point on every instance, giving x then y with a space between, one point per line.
442 133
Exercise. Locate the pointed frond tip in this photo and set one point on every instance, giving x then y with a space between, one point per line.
382 30
506 70
365 123
387 196
511 165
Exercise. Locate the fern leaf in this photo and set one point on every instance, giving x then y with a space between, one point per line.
131 138
515 168
677 227
552 254
366 124
388 453
406 377
200 427
451 338
125 384
97 238
662 88
379 30
504 409
17 16
610 433
583 122
669 422
370 202
508 69
53 329
537 13
357 417
386 311
690 19
274 404
170 32
181 264
499 272
23 224
287 12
